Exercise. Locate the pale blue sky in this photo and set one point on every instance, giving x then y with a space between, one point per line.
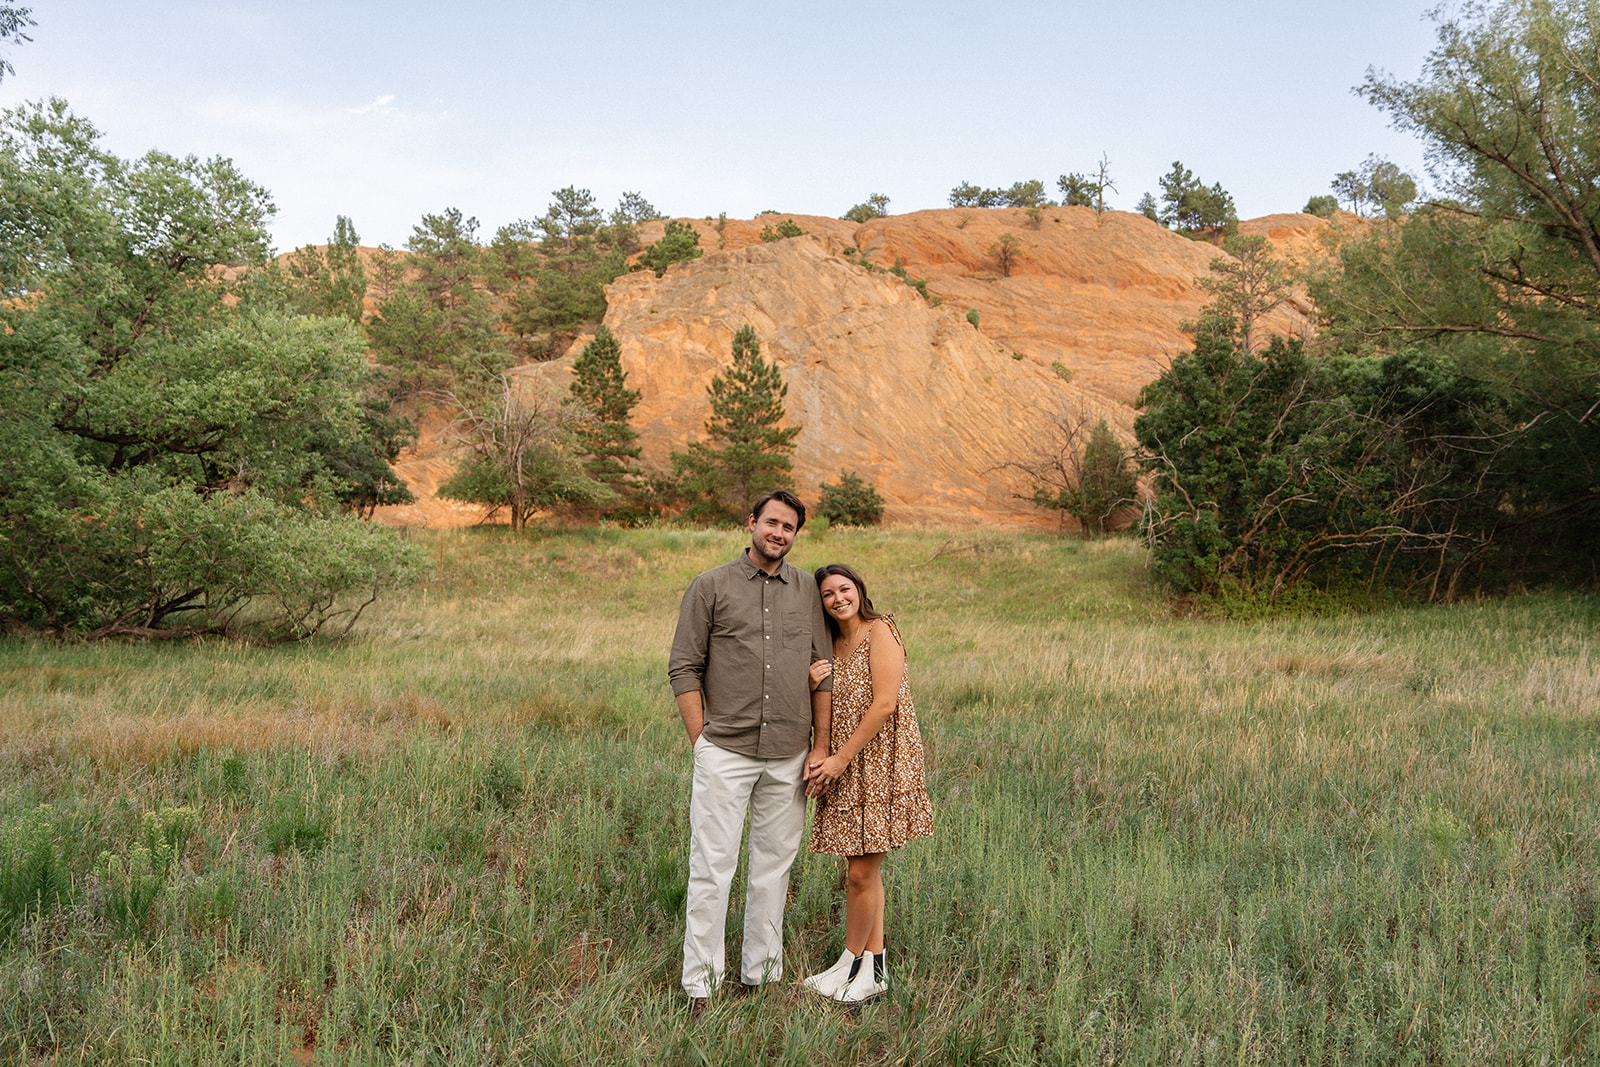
384 111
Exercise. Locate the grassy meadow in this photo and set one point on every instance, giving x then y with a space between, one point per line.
458 835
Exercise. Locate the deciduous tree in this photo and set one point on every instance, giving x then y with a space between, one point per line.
168 429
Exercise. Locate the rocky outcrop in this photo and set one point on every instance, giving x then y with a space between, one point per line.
902 389
908 395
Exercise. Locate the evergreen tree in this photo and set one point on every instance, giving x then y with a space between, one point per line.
600 386
679 242
749 451
332 281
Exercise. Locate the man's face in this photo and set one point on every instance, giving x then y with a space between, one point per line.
772 532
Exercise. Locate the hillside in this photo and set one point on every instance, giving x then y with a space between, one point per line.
908 394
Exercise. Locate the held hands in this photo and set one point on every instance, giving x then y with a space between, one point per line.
821 669
823 772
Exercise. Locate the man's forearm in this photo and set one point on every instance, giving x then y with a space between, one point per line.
692 707
821 718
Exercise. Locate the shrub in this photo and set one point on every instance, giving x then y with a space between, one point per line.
1321 206
851 502
972 317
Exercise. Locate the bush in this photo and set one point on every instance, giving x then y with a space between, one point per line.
680 242
972 317
1321 206
786 228
851 502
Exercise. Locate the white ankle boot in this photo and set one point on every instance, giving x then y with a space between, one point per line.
835 978
865 985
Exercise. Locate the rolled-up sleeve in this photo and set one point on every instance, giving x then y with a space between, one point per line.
686 666
821 639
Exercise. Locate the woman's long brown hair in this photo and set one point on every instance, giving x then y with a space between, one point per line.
864 609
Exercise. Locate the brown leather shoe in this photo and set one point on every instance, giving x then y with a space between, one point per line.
698 1006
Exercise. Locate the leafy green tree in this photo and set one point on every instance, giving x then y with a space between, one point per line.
749 450
1077 190
168 427
14 22
1080 471
1190 207
784 229
438 330
1321 206
331 281
572 216
1029 193
1379 183
600 385
1500 274
851 501
875 206
680 242
521 452
968 195
1148 207
1246 284
633 208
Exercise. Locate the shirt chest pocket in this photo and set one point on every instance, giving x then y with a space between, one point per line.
796 632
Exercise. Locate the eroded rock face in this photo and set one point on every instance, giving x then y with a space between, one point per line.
908 395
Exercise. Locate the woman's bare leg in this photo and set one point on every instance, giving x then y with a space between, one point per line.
863 904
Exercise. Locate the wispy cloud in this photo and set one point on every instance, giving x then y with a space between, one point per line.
382 101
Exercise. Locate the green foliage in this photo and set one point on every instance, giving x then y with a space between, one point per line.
1025 193
1285 468
1077 190
1190 207
152 403
680 242
1062 371
748 452
972 317
875 206
33 879
134 880
633 208
439 331
607 437
523 451
13 22
1376 183
1500 275
331 282
851 501
1148 207
1245 285
786 228
1321 206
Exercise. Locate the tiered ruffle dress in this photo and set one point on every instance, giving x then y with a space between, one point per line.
881 800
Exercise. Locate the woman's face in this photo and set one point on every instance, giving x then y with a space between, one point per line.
840 597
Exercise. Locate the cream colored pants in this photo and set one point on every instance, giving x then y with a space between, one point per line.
726 785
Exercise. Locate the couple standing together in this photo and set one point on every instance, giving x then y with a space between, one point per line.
791 685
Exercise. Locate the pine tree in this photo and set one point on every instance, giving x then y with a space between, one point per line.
749 451
600 385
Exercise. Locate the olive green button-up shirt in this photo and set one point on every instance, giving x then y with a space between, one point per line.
747 640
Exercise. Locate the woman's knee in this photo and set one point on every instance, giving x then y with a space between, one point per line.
863 875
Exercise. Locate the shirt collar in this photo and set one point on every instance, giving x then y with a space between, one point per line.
751 570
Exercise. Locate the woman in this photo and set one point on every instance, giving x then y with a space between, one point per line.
871 793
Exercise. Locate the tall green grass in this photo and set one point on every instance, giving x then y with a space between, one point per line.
458 835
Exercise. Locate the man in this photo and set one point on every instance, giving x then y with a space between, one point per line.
748 632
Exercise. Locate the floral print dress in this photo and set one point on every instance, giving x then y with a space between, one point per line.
881 800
